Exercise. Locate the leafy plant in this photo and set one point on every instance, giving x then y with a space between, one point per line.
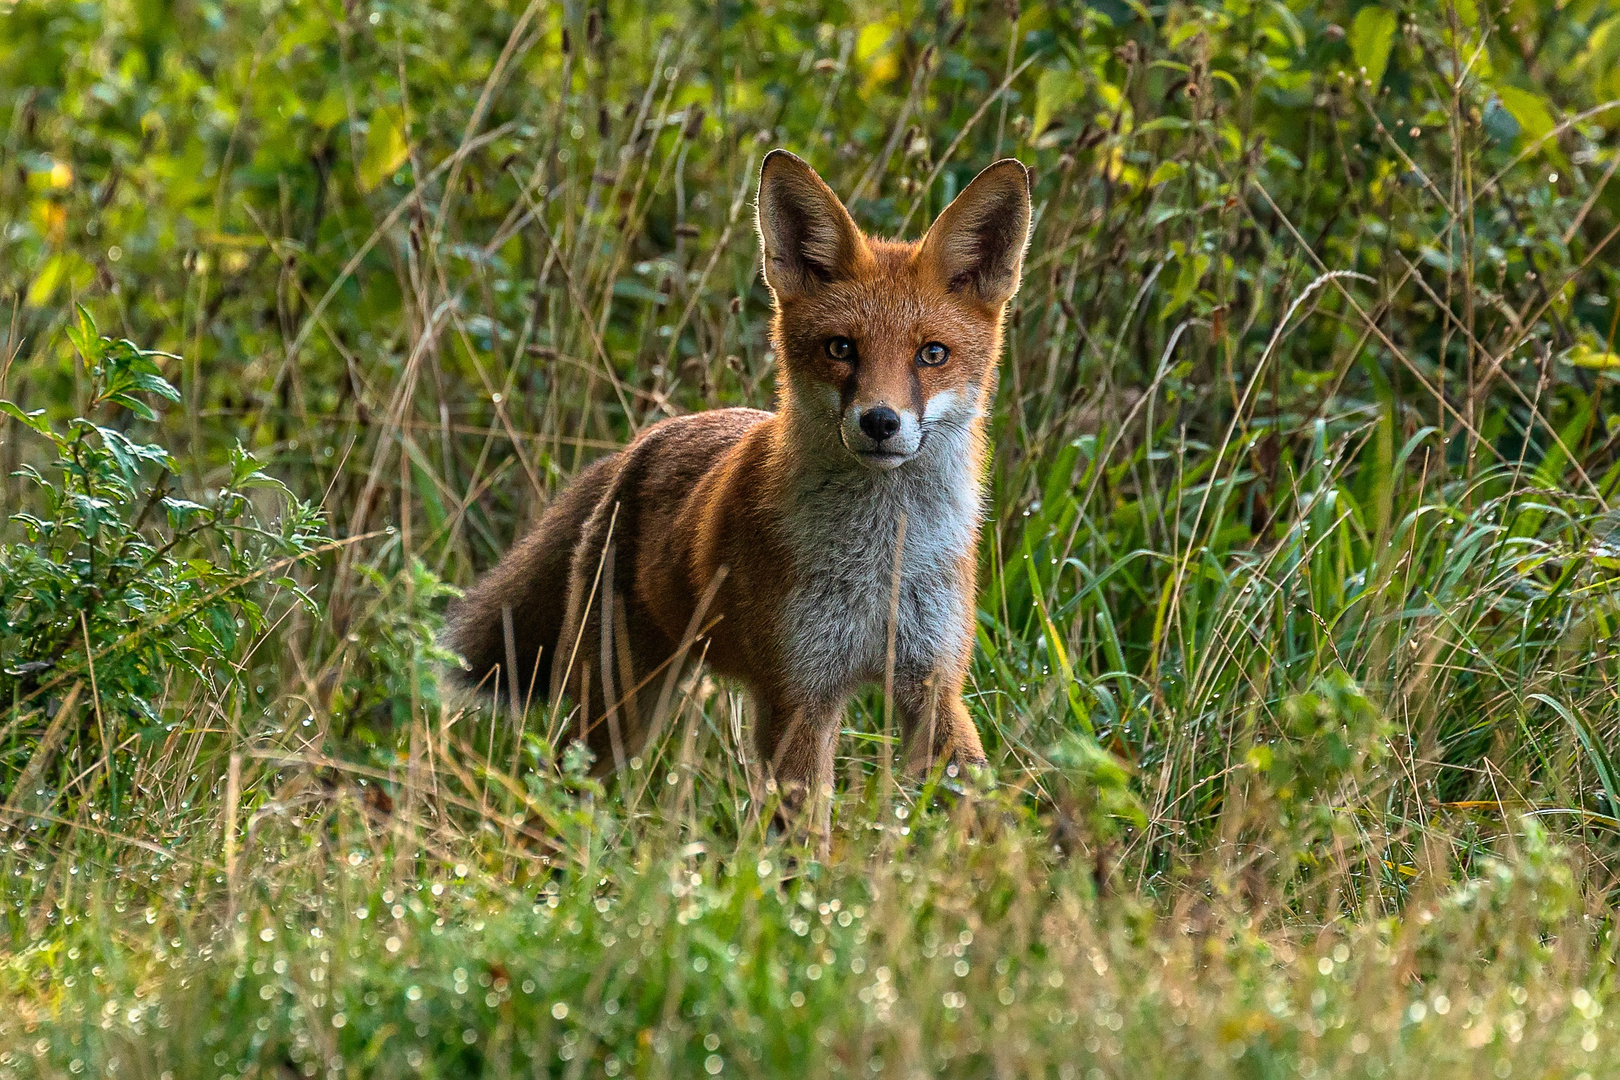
121 585
397 655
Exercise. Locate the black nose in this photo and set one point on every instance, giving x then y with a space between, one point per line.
880 423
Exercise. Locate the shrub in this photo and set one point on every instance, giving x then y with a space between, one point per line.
122 587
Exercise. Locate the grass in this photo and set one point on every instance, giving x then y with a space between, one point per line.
966 948
1298 589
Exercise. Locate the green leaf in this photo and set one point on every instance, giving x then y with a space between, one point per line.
245 471
179 510
1165 123
1607 769
1055 91
1296 32
92 509
35 419
84 336
1602 50
1192 272
117 442
134 405
1530 110
1372 35
1552 467
1055 647
156 384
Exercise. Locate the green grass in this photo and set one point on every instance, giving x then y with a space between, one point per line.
967 947
1299 586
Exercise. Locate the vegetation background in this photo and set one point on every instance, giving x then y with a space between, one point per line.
1297 664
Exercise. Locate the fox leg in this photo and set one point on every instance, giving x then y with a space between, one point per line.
796 742
934 722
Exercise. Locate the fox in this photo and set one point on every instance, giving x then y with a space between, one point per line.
826 546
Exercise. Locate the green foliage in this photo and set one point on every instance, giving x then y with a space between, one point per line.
1096 787
395 676
954 951
1331 735
118 585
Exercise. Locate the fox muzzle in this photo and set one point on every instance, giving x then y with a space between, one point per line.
879 435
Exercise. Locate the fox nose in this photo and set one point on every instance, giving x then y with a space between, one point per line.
880 422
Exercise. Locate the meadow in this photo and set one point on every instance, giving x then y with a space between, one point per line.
1300 579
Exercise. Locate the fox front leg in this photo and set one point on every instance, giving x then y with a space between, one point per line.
934 723
797 742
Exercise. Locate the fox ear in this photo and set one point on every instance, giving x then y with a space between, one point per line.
977 244
807 236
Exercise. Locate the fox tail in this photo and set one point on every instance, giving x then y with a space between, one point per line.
509 622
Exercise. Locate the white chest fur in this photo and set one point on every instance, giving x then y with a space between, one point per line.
841 529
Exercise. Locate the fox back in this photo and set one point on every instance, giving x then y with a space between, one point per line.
806 551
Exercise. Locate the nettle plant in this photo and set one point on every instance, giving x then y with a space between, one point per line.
122 601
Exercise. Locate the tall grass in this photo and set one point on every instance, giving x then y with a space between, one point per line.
1295 668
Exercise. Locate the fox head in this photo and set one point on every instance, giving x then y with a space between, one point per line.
882 342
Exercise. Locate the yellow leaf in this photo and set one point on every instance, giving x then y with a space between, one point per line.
1166 170
63 268
1587 357
1111 162
875 50
386 149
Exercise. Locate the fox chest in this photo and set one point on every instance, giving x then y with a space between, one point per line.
835 622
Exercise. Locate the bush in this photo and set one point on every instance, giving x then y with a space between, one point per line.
123 587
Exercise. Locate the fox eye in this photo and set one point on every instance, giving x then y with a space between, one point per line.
933 354
841 348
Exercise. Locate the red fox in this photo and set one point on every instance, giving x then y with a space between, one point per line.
778 531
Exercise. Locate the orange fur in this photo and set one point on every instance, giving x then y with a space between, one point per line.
796 512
